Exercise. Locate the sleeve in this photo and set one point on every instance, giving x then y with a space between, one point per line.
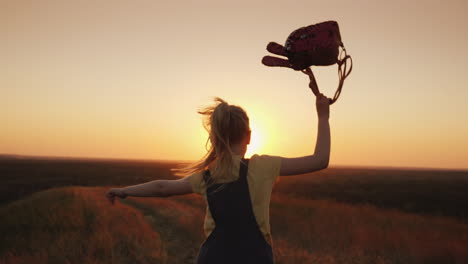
196 181
270 166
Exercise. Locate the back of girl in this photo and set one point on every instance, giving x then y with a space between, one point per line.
237 190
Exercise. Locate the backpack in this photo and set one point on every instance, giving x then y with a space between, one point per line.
314 45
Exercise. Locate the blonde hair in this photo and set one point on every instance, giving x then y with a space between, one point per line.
226 125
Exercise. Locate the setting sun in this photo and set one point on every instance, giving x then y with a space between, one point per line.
126 81
256 141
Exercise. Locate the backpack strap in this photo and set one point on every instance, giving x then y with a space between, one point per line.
342 72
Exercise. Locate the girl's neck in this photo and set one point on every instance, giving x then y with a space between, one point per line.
239 149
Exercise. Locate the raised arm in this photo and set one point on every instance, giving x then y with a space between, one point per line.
156 188
319 160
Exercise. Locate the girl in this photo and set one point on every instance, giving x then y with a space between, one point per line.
237 190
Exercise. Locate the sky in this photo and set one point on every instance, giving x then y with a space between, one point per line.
124 79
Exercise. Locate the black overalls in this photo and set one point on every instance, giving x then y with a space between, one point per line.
236 237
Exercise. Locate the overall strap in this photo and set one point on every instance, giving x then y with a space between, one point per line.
207 176
229 200
236 237
244 164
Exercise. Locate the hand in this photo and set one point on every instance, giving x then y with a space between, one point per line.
322 104
112 193
313 83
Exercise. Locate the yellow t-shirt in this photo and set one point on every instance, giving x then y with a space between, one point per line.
262 174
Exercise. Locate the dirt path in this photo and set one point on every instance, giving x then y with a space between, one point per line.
180 246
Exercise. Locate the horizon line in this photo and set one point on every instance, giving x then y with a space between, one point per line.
44 157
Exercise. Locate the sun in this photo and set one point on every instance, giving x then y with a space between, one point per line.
256 141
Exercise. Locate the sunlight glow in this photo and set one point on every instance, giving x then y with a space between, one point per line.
256 141
127 83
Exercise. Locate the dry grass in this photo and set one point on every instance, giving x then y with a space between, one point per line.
75 225
179 221
330 232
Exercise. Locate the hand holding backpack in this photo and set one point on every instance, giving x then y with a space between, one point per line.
316 45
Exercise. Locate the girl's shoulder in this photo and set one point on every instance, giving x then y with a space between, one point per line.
197 182
267 166
263 167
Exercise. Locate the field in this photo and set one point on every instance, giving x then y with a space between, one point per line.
54 211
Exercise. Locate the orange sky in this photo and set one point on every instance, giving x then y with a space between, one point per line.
123 79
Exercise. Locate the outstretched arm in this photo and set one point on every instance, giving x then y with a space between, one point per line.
320 159
156 188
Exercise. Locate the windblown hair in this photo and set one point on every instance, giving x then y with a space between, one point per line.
226 125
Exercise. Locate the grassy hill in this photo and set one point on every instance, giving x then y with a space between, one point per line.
75 225
55 211
78 225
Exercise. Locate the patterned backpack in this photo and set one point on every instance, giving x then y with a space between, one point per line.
316 45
